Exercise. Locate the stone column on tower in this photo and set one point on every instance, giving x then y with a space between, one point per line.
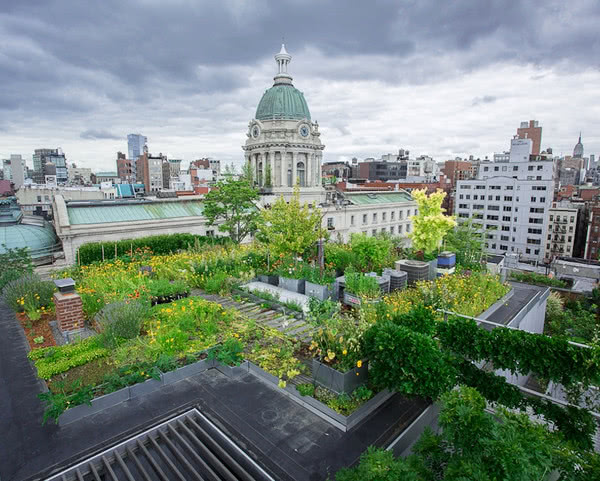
294 168
309 170
284 168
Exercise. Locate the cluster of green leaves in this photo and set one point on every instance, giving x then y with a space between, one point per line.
131 374
339 256
362 285
474 444
166 288
57 402
15 264
520 352
231 207
344 404
337 341
290 228
406 360
537 279
468 243
158 244
430 225
50 361
229 353
371 253
574 319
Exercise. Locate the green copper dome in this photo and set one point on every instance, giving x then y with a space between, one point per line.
282 101
40 240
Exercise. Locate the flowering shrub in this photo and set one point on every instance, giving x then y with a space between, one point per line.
30 294
337 343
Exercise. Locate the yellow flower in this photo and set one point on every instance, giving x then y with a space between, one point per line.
344 352
359 363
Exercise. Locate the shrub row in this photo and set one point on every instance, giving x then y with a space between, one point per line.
158 244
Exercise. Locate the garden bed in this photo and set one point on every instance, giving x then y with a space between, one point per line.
38 333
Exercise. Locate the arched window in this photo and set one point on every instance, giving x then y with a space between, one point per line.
300 169
260 174
289 177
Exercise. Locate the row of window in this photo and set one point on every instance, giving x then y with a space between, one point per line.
506 208
505 248
515 168
564 218
392 230
507 198
506 187
384 218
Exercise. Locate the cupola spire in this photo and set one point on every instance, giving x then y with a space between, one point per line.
283 59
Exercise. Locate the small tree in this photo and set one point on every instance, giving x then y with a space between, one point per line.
231 206
468 242
290 228
15 263
247 173
430 225
268 175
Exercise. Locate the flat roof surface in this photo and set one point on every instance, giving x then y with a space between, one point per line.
367 198
103 214
523 294
289 441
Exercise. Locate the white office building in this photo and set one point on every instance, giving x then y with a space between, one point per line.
510 199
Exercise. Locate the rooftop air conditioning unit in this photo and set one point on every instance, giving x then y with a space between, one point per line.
415 270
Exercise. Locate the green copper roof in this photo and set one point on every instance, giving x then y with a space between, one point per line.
103 214
378 198
282 101
38 239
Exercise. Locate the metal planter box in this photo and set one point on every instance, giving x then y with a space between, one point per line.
263 278
145 387
351 300
187 371
337 381
294 285
318 291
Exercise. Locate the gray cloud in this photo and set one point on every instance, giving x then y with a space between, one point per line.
189 74
92 134
486 99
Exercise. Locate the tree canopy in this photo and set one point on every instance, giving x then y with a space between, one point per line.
430 225
231 206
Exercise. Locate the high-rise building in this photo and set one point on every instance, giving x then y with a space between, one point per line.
531 130
578 150
18 170
136 146
510 200
6 169
125 168
42 157
150 170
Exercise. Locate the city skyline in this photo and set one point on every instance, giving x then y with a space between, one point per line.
444 82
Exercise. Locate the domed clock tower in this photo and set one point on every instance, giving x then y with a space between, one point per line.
284 146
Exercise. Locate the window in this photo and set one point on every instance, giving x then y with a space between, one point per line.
515 168
507 208
528 251
330 222
509 187
533 220
400 229
364 218
534 241
508 198
392 230
463 215
478 206
47 198
382 230
542 199
530 168
533 199
504 237
506 218
461 196
496 169
495 187
375 218
503 247
301 172
531 230
552 218
536 210
492 217
210 233
505 228
400 214
480 187
374 232
463 206
351 220
572 219
468 196
383 216
538 177
39 198
504 168
465 186
540 167
408 228
485 169
490 197
570 238
392 215
493 207
497 197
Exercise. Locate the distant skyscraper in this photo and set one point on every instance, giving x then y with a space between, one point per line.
578 150
531 130
18 170
136 145
42 157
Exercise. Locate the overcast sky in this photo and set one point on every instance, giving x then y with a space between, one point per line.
440 77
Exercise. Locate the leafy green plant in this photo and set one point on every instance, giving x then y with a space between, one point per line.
343 403
339 256
216 283
537 279
57 402
430 225
129 375
337 342
420 319
321 311
38 340
306 389
370 252
379 465
362 285
229 353
50 361
166 288
293 305
407 361
120 321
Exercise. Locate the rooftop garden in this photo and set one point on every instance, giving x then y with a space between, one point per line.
148 315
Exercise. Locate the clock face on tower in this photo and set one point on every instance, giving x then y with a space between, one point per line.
255 131
304 131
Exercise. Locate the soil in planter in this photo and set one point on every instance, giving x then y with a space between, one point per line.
91 373
36 329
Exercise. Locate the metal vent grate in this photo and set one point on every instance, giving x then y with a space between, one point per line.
187 447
